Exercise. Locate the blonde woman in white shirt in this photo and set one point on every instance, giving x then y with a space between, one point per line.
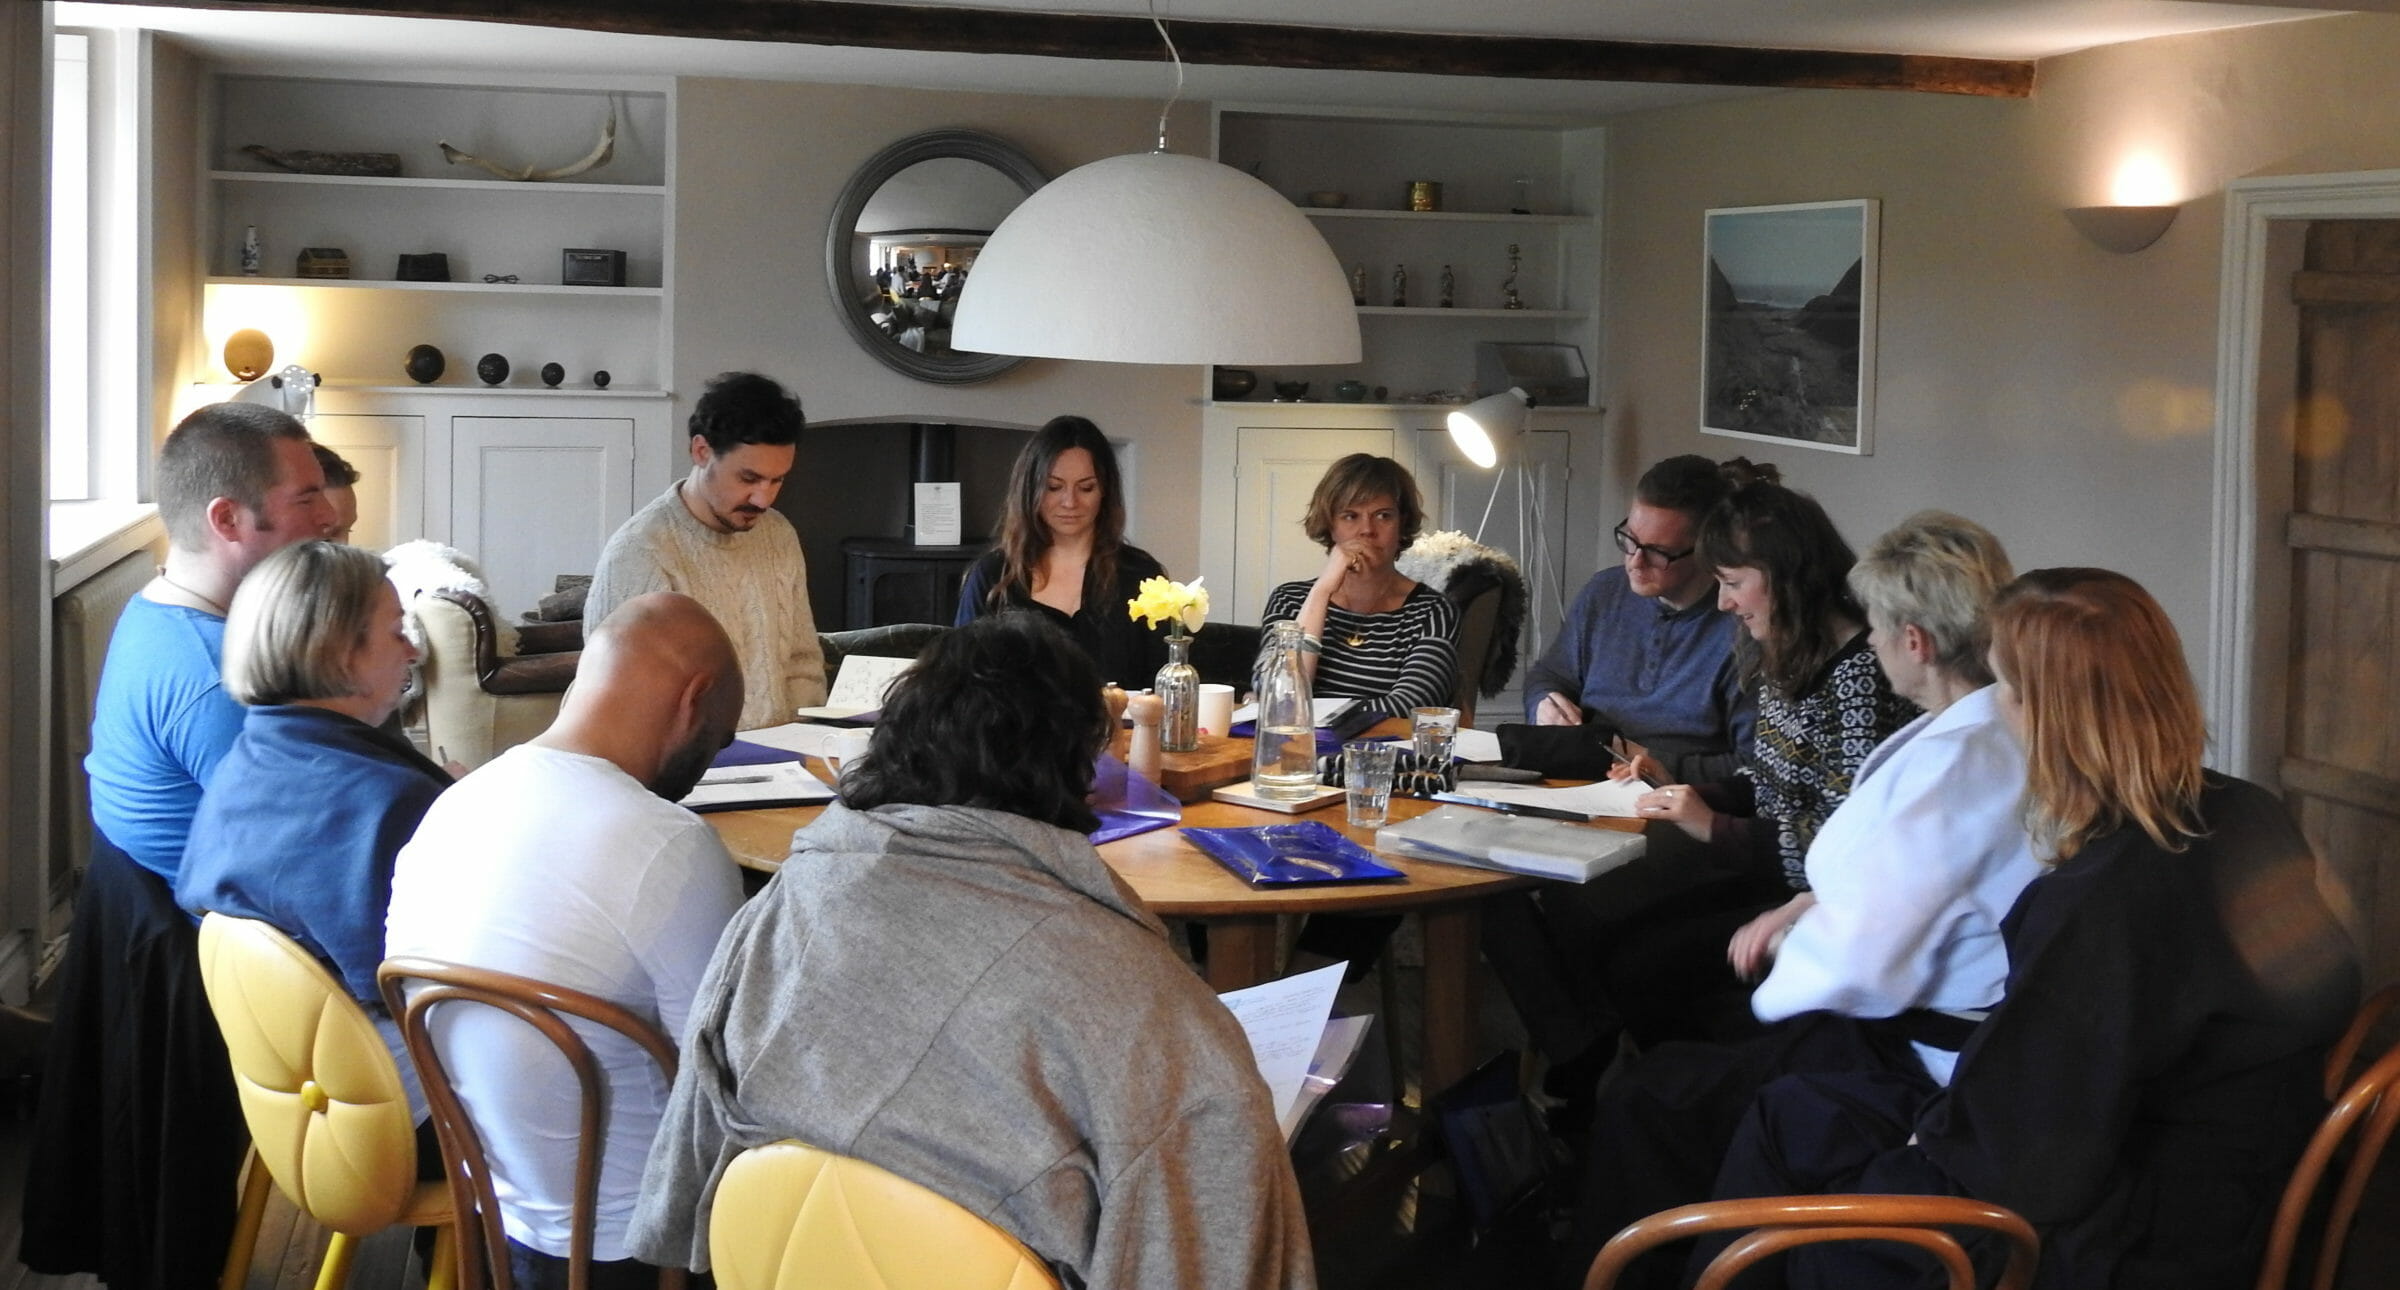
1889 958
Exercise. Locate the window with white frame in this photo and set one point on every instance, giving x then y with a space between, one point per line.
70 256
94 264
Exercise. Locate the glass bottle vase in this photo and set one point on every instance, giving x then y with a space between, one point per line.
1178 684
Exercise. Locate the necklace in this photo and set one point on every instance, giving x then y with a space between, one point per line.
221 611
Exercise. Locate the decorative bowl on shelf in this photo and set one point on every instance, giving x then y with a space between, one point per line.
1349 391
1233 383
1329 198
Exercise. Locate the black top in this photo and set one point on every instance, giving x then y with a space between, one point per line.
1125 651
2149 1080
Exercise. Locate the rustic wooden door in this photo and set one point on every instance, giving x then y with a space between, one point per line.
2341 755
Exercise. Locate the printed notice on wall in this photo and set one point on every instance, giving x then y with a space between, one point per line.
937 514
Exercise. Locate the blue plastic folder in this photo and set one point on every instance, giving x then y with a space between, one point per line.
1283 855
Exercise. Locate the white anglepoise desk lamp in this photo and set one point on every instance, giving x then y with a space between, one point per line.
1488 433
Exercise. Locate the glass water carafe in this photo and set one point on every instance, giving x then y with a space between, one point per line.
1283 762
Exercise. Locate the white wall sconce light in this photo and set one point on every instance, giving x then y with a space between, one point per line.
2142 205
2122 229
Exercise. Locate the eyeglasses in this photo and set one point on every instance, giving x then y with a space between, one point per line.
1645 551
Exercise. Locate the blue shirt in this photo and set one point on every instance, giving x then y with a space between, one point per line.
300 827
161 720
1663 677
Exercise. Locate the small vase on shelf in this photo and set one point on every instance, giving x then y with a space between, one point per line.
1178 686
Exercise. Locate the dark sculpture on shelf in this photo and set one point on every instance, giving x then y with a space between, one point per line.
425 364
493 368
552 374
600 378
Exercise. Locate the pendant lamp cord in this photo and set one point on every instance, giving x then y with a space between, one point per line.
1155 21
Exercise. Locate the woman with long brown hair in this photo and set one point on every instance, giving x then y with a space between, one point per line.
1062 552
2174 982
1824 704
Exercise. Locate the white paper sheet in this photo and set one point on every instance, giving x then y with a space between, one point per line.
1611 797
798 736
1285 1021
733 786
1477 745
937 515
1337 1048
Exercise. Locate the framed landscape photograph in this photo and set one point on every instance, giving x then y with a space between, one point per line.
1788 325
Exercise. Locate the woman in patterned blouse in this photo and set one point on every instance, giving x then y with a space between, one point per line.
1823 705
1370 632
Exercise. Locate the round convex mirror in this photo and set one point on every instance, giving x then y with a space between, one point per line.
903 242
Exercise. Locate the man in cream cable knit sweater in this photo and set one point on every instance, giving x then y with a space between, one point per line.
716 536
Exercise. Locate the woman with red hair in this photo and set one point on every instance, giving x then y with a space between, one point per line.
2174 982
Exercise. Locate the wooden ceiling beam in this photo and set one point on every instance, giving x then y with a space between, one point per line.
1231 44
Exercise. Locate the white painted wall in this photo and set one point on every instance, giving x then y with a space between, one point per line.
2060 394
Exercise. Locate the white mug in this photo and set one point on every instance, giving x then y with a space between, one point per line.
1216 709
844 749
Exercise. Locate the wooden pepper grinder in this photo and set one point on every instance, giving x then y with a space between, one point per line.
1147 710
1112 696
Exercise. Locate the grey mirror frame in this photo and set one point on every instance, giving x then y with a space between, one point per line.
971 145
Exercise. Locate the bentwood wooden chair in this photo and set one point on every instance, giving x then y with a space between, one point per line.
329 1118
414 989
788 1215
2354 1040
1775 1224
2348 1144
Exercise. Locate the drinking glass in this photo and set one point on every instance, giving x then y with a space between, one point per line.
1436 732
1367 767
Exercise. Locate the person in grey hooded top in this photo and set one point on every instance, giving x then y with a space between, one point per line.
946 980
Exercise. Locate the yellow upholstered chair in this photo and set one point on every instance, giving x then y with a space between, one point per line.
790 1215
329 1119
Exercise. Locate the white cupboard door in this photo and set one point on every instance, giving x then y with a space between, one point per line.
388 452
1276 472
535 497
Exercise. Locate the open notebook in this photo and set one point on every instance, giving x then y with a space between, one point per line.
858 689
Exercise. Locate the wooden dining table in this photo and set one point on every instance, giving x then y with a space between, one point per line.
1178 881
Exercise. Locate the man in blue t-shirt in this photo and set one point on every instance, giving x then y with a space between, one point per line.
138 1111
236 482
1645 655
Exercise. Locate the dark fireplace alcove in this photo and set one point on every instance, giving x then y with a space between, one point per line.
850 480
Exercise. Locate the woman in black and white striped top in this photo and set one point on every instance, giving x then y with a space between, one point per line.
1370 632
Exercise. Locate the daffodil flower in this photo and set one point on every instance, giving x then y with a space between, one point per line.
1182 607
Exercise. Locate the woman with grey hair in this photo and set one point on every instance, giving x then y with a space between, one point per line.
306 811
1909 879
1885 962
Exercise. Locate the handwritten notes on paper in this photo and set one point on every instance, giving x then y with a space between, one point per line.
1284 1020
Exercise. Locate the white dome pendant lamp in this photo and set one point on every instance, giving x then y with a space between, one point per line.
1158 258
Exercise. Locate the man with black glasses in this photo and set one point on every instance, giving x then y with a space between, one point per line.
1645 656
